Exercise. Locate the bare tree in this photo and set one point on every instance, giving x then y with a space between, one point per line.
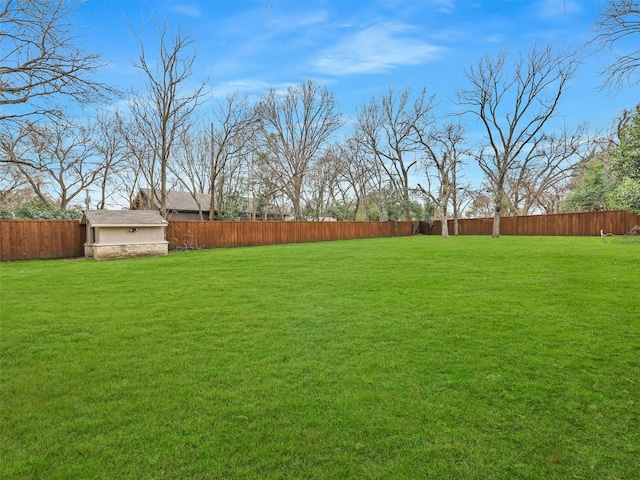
266 190
140 167
323 185
620 21
481 205
295 127
231 188
167 106
14 188
18 151
387 129
461 197
40 67
111 148
513 106
191 165
61 160
358 171
13 141
443 151
348 199
236 129
547 170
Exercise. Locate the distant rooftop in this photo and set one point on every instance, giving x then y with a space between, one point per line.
181 201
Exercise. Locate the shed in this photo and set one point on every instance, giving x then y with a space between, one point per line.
124 233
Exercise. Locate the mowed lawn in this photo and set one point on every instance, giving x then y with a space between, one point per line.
403 358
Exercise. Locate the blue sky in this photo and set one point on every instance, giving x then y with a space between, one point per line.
357 47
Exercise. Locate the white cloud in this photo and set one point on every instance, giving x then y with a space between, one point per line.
376 49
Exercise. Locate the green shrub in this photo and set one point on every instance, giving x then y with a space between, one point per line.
37 210
6 211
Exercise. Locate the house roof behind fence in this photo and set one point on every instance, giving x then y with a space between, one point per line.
126 218
184 202
181 201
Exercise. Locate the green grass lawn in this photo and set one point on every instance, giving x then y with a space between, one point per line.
403 358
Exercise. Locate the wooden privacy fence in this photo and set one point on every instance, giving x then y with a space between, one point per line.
205 234
43 239
570 224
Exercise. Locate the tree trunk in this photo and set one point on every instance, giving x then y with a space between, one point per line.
456 214
497 201
454 198
103 190
212 205
405 196
443 220
297 194
496 223
496 216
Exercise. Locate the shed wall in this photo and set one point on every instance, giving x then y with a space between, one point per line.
123 235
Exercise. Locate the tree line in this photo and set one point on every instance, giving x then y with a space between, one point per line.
290 152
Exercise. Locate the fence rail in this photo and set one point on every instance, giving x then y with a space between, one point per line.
45 239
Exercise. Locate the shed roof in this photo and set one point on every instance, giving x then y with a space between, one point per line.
125 218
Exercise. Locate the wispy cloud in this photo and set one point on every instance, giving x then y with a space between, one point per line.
444 6
555 9
252 87
294 21
244 85
376 49
495 38
186 9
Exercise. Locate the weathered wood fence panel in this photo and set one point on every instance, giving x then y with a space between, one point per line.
204 234
570 224
41 239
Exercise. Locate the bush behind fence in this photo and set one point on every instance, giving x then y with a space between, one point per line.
45 239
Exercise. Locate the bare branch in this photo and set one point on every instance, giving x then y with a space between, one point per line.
620 21
40 68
